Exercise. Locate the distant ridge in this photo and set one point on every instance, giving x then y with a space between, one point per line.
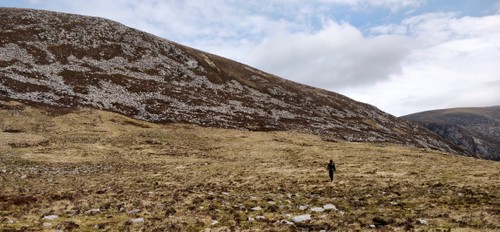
65 61
475 129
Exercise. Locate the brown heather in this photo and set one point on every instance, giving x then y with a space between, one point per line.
98 170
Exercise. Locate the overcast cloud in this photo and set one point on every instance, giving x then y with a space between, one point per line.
401 56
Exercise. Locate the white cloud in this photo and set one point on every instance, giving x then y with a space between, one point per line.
334 57
456 64
393 5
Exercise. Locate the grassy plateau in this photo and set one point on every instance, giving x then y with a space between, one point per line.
93 170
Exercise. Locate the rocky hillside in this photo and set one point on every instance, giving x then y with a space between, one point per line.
477 130
64 62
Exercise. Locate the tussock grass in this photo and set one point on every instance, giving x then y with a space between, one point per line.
189 178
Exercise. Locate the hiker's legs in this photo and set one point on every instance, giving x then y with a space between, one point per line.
331 175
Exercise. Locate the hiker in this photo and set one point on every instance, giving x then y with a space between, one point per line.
331 169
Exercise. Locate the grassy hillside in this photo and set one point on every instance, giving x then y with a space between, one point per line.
94 170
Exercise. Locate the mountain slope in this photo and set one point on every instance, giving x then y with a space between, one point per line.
477 130
65 61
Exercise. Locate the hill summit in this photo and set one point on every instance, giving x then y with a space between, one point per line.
64 62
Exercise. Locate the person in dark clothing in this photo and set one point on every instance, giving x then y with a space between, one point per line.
331 169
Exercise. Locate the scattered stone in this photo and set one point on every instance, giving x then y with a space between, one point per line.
47 224
372 226
460 194
257 208
303 207
10 221
394 203
134 211
50 217
368 195
137 220
422 222
225 193
101 191
301 218
317 209
286 222
271 202
251 219
23 176
3 171
330 207
260 217
253 198
214 222
92 212
289 195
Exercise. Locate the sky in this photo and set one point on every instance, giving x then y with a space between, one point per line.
402 56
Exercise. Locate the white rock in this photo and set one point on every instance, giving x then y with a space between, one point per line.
50 217
225 193
287 222
214 222
460 194
253 198
303 207
330 207
260 217
271 202
134 211
23 176
4 171
137 220
317 209
256 208
394 203
372 226
93 211
301 218
368 195
251 219
422 222
47 224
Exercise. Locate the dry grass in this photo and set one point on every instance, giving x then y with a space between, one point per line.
183 177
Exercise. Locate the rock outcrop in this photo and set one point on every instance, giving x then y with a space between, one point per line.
476 130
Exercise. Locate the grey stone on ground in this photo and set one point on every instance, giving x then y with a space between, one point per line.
257 208
92 212
317 209
302 218
50 217
134 211
422 222
330 207
137 220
